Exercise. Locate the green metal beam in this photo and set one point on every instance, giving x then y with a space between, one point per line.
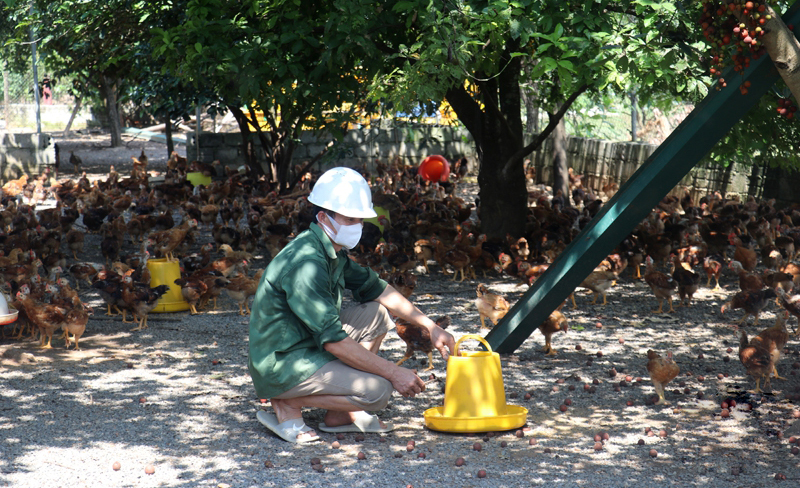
664 169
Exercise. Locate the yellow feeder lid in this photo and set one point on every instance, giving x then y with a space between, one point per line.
197 178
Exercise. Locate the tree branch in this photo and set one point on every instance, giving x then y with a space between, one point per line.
551 125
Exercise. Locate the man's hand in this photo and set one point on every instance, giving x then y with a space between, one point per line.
443 341
406 382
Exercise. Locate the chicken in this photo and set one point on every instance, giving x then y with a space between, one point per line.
46 317
192 290
790 303
167 240
76 163
490 305
661 285
687 281
228 251
195 261
109 285
662 371
760 355
752 303
241 288
139 166
196 289
459 260
556 322
75 322
712 265
423 252
208 215
747 281
418 338
141 300
74 240
598 282
12 188
745 255
82 271
109 248
777 279
177 162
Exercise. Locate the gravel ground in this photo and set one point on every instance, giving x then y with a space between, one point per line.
177 397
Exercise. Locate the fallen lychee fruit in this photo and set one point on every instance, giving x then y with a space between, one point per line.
653 453
359 437
641 442
421 455
598 446
460 462
116 466
336 445
477 446
361 456
149 469
481 474
563 408
142 400
532 442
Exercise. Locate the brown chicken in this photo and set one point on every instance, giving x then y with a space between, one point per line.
790 303
751 302
167 241
403 281
712 265
760 355
687 281
74 240
597 282
662 371
75 322
490 305
747 281
45 317
423 252
556 322
141 300
243 287
661 285
745 255
418 338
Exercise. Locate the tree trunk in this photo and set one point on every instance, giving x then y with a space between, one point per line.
75 111
247 140
112 109
168 134
560 166
634 116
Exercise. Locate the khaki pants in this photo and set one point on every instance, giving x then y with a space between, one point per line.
363 323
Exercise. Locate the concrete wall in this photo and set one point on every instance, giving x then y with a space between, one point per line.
25 154
358 147
599 161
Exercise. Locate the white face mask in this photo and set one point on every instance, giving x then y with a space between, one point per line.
346 236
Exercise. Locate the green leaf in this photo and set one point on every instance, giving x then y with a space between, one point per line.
198 47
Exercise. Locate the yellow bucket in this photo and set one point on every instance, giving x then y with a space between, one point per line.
474 386
163 272
198 179
474 394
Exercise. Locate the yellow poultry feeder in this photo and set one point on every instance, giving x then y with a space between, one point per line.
163 272
474 395
197 178
381 212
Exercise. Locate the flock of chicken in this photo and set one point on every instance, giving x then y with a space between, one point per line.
420 223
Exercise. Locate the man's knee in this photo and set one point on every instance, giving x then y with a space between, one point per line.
377 396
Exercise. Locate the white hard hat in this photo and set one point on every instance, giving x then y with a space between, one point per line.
344 191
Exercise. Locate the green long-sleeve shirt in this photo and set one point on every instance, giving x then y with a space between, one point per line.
296 310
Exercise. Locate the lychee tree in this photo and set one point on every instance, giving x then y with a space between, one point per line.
740 30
